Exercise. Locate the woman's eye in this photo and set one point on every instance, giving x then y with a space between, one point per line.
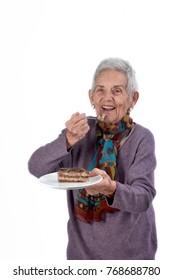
117 91
100 90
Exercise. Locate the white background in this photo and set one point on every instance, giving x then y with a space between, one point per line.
48 53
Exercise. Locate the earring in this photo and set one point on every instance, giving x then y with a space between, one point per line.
93 107
131 108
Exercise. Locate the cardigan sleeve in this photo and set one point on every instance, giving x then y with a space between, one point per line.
54 155
138 191
48 158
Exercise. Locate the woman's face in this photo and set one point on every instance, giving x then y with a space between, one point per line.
110 96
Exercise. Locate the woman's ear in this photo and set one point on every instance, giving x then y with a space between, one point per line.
135 97
90 93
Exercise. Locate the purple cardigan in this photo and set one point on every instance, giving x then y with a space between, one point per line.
128 234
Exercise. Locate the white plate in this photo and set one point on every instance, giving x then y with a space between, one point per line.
51 180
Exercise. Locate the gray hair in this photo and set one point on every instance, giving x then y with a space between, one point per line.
120 65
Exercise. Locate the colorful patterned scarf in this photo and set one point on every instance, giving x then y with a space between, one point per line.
90 208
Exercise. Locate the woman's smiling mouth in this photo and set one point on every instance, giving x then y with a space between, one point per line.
107 108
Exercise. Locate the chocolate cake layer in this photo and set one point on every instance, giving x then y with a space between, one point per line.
73 175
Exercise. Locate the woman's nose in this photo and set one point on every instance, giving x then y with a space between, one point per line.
108 95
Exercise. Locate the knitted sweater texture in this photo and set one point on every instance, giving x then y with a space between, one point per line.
127 234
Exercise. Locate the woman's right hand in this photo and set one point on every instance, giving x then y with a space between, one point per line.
77 127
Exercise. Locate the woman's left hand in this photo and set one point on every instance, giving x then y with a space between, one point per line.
106 186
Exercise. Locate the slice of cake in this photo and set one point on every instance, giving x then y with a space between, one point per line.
102 117
73 175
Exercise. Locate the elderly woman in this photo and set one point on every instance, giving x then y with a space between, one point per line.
113 219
